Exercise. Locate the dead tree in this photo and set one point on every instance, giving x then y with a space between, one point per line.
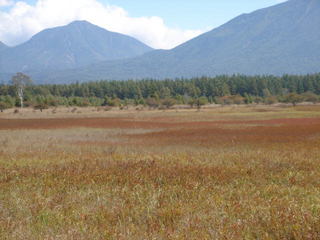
21 81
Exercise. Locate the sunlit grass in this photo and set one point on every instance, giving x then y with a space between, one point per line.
210 180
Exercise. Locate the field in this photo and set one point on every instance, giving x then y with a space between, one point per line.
221 173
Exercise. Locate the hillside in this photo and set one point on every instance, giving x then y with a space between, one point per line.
77 44
280 39
2 46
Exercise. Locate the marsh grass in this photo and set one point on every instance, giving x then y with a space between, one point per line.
258 179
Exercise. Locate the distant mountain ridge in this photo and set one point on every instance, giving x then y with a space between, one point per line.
78 44
282 39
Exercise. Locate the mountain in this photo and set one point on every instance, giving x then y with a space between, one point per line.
3 77
282 39
77 44
2 46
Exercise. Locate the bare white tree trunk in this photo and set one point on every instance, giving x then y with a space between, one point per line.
20 81
20 94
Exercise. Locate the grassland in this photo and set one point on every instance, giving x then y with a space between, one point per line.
221 173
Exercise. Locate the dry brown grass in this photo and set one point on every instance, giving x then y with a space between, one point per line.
223 173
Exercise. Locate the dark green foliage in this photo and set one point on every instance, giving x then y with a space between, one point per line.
236 89
6 102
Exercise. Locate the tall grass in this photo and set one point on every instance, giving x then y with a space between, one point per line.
258 179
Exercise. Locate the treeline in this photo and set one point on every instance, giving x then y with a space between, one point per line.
236 89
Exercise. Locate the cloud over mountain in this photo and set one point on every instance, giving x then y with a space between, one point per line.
26 20
282 39
79 43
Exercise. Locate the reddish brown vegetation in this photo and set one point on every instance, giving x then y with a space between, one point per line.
240 132
206 133
170 178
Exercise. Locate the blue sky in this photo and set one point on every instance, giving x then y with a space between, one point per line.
160 24
190 13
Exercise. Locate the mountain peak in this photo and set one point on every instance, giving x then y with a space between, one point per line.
83 25
77 44
80 23
281 39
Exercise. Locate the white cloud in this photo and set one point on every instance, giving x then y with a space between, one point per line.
5 3
24 20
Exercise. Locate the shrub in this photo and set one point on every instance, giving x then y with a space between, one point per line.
3 106
270 100
293 98
310 97
152 102
228 100
201 101
168 102
40 106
